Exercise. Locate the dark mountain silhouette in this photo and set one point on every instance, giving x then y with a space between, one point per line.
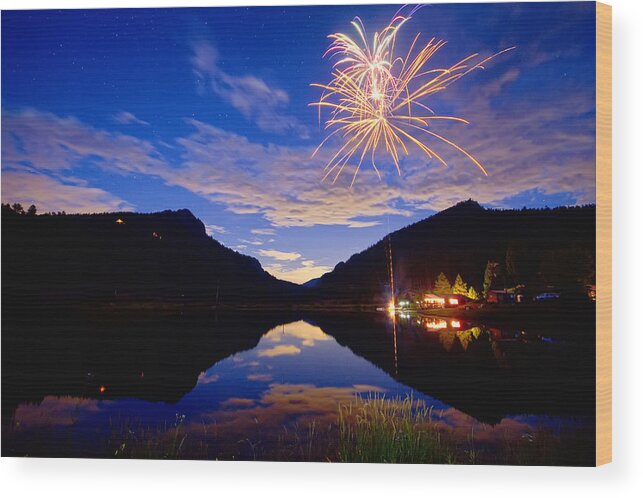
540 248
168 256
127 257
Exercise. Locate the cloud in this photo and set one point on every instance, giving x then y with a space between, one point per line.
280 255
296 197
255 99
526 146
42 151
49 194
125 117
262 231
305 271
251 242
34 140
212 229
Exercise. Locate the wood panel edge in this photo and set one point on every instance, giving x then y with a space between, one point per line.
603 233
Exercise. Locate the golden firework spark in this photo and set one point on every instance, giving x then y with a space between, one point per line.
376 98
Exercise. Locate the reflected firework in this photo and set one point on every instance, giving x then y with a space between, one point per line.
377 99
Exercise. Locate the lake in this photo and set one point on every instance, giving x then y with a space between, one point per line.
267 386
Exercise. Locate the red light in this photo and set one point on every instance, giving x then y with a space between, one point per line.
101 389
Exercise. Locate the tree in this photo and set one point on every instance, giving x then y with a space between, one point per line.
489 273
460 286
32 210
510 265
473 294
17 207
442 285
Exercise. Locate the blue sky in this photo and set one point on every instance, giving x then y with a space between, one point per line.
153 109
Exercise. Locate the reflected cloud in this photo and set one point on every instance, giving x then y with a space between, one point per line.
281 350
205 378
282 404
236 402
259 377
55 410
301 330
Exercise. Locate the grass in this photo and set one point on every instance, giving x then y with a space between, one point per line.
378 430
138 441
403 430
371 429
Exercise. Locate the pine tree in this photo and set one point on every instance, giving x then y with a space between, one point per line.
510 266
488 278
472 294
442 285
460 286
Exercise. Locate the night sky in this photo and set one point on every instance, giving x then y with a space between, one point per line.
207 109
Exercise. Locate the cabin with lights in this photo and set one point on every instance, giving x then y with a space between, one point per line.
432 300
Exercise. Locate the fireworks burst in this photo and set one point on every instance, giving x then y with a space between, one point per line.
377 98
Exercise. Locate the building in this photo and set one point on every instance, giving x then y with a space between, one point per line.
453 300
433 301
443 300
504 296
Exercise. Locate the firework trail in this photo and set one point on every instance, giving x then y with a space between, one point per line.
375 97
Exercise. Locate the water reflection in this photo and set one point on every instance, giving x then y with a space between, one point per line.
243 384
